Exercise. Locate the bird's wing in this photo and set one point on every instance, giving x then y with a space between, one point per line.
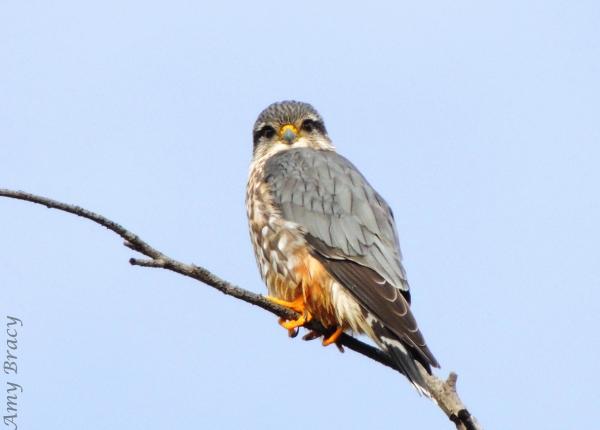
350 229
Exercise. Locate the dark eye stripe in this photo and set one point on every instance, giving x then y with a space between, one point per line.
266 131
309 125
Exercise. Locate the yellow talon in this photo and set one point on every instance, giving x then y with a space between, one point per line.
296 305
303 319
333 337
291 332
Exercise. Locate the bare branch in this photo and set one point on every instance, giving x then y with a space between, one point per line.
443 393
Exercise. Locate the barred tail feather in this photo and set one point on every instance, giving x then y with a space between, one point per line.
400 355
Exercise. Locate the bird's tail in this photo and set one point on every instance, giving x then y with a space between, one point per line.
402 356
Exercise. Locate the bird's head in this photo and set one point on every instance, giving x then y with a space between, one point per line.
286 125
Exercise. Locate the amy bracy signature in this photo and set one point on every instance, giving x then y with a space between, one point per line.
13 390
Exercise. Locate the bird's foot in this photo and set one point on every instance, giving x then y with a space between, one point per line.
292 332
299 322
296 305
328 339
333 337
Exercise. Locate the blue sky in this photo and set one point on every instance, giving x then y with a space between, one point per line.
477 121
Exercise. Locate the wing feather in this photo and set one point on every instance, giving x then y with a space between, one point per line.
351 231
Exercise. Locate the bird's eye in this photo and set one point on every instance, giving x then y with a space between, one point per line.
308 125
267 131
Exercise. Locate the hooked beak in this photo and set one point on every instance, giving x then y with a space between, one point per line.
288 132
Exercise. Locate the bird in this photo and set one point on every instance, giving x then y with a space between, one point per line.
326 242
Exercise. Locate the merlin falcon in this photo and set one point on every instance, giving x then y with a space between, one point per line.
326 241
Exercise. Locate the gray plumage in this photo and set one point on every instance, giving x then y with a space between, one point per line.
351 230
303 197
325 193
286 112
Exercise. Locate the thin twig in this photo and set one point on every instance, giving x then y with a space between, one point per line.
443 393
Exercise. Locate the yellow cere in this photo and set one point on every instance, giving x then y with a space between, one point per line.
286 127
